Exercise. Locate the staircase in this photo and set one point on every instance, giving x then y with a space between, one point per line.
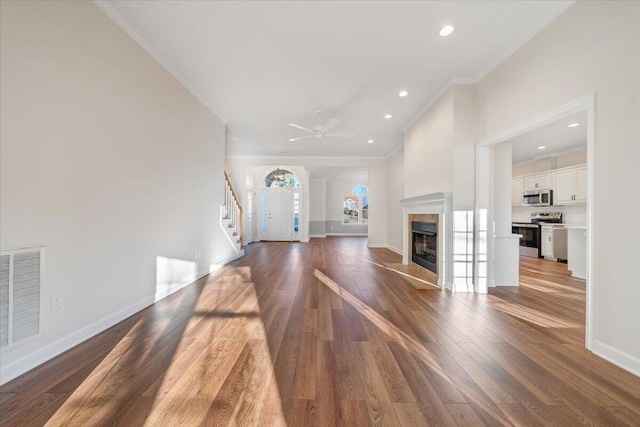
231 217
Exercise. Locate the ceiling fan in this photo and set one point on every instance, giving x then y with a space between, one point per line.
319 131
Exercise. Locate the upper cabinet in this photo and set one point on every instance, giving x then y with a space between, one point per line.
517 188
570 186
537 182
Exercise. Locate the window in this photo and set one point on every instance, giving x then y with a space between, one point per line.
296 213
351 210
281 178
264 213
356 206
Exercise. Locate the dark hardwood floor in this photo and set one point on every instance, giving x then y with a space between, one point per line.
326 334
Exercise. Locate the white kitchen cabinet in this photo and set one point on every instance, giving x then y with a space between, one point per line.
537 182
570 186
517 188
546 249
581 184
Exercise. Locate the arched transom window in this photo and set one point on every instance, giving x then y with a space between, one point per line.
281 178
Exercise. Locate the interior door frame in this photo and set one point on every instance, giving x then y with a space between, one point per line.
259 219
483 158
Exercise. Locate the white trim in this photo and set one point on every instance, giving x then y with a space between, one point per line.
41 355
108 9
377 245
175 287
568 109
396 250
443 90
317 236
588 103
619 358
394 150
348 234
548 18
537 28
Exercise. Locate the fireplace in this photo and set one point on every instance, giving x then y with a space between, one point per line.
424 244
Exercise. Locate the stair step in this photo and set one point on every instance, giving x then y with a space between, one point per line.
225 217
235 233
231 225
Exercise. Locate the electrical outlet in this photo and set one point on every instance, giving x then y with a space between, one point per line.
56 303
198 254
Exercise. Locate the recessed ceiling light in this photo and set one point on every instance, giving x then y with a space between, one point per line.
370 141
446 30
403 93
572 125
387 116
542 147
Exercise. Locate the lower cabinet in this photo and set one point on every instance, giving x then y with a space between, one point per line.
546 242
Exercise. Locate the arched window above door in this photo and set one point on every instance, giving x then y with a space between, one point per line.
360 190
281 178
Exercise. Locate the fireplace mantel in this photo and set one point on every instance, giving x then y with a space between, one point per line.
426 199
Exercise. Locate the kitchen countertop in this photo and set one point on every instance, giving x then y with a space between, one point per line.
575 226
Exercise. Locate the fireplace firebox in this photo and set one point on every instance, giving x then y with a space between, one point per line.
424 244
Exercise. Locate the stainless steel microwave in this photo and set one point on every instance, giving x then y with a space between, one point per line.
537 198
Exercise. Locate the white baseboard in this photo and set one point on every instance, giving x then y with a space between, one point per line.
377 245
317 236
175 287
396 250
619 358
348 234
41 355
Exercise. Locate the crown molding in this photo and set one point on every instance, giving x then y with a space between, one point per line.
108 9
548 18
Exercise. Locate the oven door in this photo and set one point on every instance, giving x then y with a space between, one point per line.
529 242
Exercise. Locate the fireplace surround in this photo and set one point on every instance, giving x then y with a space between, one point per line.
436 210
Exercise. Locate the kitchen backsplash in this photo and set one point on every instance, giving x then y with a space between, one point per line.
573 214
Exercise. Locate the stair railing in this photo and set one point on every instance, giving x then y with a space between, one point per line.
233 210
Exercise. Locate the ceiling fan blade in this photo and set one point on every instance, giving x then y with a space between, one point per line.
339 135
330 125
293 125
301 137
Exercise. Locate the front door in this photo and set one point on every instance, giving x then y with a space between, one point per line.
280 215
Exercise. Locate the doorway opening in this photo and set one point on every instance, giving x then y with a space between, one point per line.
569 188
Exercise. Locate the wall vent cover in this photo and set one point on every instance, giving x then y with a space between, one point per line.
20 294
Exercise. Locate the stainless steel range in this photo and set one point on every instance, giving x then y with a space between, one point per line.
531 232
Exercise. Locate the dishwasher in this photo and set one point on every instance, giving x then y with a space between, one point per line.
560 243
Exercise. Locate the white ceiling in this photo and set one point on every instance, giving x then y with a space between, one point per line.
557 137
262 65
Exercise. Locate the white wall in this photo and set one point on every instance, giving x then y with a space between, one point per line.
463 161
107 160
428 151
592 47
318 208
395 192
573 158
377 169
